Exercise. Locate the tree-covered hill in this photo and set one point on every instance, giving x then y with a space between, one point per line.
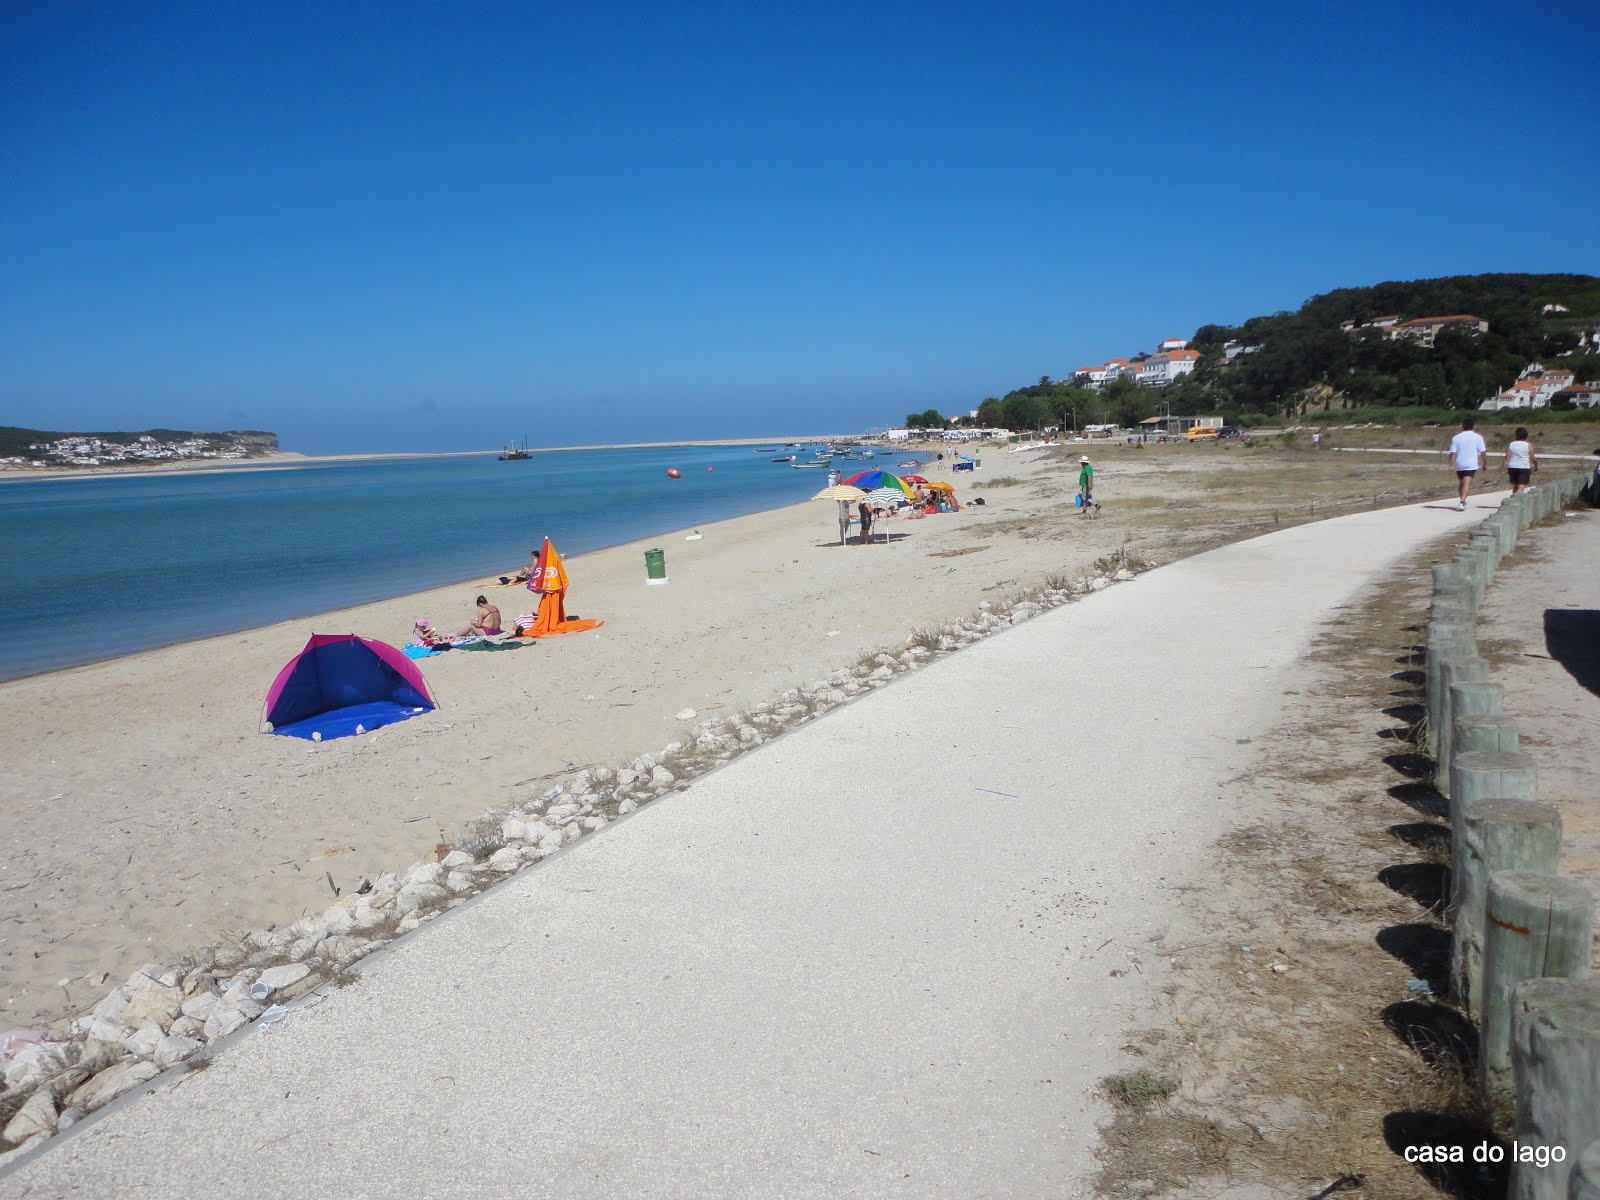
1304 361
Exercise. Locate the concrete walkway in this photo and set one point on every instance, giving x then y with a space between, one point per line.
890 954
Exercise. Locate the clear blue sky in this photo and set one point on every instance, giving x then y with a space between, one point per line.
404 225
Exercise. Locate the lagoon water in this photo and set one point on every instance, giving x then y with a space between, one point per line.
97 567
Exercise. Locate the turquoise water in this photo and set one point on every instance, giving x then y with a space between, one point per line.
98 567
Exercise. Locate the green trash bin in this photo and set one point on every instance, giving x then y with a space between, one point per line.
655 566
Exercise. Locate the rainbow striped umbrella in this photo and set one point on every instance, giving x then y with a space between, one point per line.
871 481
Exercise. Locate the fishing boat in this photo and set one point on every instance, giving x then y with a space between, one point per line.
788 458
515 453
768 450
823 462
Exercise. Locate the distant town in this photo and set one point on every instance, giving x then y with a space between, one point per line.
34 449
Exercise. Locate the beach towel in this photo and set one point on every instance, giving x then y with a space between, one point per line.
417 650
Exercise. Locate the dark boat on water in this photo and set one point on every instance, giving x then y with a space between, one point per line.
513 453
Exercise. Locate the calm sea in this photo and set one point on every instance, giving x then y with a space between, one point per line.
93 568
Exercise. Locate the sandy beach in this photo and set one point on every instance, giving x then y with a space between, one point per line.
146 814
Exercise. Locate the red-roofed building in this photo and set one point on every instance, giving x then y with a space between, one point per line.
1161 369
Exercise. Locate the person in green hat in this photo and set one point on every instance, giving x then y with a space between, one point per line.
1085 484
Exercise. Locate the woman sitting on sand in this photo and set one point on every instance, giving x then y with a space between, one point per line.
487 622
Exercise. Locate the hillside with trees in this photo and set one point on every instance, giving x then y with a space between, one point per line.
1306 362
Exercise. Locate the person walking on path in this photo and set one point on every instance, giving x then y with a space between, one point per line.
1521 461
1467 454
1085 484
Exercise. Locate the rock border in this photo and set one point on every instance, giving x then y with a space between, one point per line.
165 1017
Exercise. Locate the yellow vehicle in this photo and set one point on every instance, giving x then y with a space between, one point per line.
1201 433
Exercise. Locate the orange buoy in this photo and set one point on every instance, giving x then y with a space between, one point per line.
674 473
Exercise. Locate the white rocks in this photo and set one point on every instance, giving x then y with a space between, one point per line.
342 951
551 793
32 1065
422 873
662 778
687 714
225 1018
174 1049
626 807
186 1027
707 741
202 1006
836 696
337 919
456 858
152 996
408 923
881 675
459 882
108 1085
1123 575
307 946
505 860
645 763
750 735
546 837
592 823
1099 583
277 978
143 1043
414 895
37 1116
513 830
571 832
562 813
852 688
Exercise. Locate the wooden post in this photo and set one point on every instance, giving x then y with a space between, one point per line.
1496 836
1492 731
1483 542
1458 669
1445 638
1487 775
1584 1181
1555 1056
1534 927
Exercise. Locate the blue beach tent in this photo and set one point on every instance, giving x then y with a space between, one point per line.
340 681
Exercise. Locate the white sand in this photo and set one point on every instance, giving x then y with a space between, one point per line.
147 814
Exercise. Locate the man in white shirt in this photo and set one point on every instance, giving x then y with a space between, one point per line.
1467 452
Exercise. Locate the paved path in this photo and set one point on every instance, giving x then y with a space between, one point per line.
889 954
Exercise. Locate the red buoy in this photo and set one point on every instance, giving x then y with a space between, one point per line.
674 473
711 468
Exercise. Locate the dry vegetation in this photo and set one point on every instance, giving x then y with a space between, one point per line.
1304 1038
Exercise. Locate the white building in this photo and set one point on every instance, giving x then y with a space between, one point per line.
1174 344
1170 365
1534 388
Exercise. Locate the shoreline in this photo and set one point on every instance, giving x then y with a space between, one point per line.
283 460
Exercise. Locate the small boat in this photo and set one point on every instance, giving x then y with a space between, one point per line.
513 453
910 462
788 458
799 466
768 450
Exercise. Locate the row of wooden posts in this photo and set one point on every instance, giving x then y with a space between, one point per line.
1523 934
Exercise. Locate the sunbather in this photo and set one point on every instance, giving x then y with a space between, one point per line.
486 623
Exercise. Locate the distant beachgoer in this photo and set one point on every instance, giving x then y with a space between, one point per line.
485 624
864 512
1521 461
833 478
1467 454
844 521
1085 484
1316 441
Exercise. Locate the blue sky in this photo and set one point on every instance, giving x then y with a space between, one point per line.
403 225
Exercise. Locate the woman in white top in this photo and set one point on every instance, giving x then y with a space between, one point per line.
1521 462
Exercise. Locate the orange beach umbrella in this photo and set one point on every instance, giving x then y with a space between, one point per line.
549 579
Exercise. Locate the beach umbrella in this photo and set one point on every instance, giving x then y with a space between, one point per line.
912 479
940 486
846 496
840 491
869 481
886 497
